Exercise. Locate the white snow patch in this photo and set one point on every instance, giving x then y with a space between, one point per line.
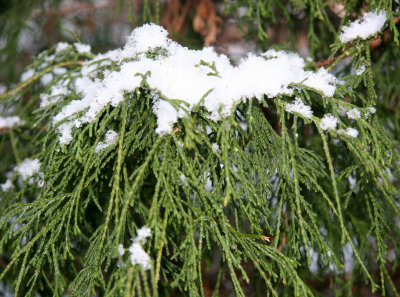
61 46
7 186
121 250
137 254
28 167
56 93
46 79
82 48
9 122
360 70
215 148
372 23
148 36
184 74
328 122
3 89
182 177
299 107
27 74
371 110
110 139
350 132
354 114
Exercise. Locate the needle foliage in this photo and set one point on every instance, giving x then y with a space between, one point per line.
263 202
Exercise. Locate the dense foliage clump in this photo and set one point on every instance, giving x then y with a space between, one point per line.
158 170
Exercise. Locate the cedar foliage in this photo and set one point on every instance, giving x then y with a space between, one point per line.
281 196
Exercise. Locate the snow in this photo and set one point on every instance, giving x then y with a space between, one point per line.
82 48
371 110
28 167
328 122
61 46
121 250
193 76
371 23
182 177
215 148
46 79
299 107
148 36
354 114
3 89
56 93
360 70
110 139
27 74
351 132
9 122
7 186
139 256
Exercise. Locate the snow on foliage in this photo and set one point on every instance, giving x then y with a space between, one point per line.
372 23
137 254
194 76
7 186
351 132
354 114
328 122
299 107
28 167
9 122
110 139
82 48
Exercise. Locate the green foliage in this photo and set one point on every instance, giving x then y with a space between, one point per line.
274 197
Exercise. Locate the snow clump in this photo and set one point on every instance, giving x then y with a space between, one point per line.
299 107
328 122
7 186
197 77
137 254
28 167
110 139
372 23
351 132
10 122
82 48
354 114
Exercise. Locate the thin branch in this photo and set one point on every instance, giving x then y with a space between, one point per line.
36 77
374 44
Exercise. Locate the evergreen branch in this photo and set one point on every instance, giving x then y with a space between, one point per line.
26 83
341 221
